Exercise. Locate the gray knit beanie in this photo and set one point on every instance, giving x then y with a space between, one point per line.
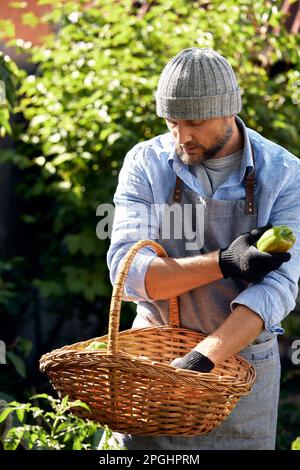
197 84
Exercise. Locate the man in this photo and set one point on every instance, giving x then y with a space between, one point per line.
237 181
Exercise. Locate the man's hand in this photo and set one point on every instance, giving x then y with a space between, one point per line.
194 360
242 260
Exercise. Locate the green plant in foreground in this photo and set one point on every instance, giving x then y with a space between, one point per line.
53 429
108 442
296 444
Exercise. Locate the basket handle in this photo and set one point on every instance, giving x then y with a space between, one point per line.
117 294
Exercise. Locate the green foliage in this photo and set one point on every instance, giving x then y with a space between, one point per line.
291 324
109 442
288 425
9 77
7 286
56 428
92 98
296 444
16 356
7 28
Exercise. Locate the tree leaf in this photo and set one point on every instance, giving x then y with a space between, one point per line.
17 362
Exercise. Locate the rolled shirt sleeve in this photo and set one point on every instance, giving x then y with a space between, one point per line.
275 296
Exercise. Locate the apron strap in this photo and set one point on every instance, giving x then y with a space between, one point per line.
177 190
249 184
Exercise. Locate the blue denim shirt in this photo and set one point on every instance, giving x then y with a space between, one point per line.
147 177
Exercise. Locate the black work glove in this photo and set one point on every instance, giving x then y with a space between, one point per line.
242 260
194 360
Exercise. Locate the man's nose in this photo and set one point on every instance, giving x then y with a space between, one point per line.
183 135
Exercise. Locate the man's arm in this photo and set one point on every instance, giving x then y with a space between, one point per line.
240 328
170 277
167 278
133 199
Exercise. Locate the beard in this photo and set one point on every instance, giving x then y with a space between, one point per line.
207 153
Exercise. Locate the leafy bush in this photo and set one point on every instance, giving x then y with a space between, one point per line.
9 75
55 429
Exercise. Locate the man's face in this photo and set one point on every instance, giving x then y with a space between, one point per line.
199 140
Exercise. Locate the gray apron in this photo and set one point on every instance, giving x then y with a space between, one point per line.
252 424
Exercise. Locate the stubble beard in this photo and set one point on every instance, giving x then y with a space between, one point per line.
208 153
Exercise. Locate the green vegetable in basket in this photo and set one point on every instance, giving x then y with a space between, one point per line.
96 345
276 240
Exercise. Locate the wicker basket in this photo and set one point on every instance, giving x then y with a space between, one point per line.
132 388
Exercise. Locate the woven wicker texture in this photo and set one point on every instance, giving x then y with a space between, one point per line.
132 388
